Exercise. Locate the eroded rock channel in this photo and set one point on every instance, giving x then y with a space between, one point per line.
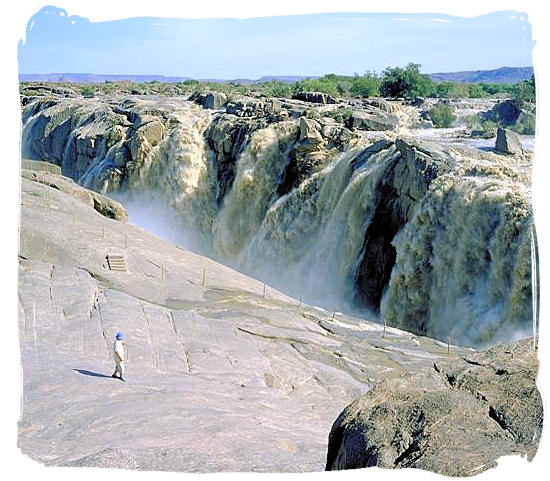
356 216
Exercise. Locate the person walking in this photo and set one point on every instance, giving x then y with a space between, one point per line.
119 349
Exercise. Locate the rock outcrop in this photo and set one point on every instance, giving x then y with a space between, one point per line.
315 97
457 420
371 118
507 112
212 100
50 175
406 179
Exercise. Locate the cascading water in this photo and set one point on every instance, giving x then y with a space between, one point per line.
429 242
464 263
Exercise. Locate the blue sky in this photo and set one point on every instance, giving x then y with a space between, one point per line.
343 43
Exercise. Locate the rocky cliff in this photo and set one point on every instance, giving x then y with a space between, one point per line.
456 420
336 203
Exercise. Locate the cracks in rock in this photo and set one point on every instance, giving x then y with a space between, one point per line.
416 448
410 455
179 340
501 421
451 380
472 362
97 307
267 336
51 284
154 351
448 378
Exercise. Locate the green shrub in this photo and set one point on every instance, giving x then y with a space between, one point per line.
442 115
312 114
524 91
489 127
87 91
526 125
323 84
276 88
340 115
473 122
476 91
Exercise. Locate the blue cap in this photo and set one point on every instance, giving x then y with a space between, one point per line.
119 335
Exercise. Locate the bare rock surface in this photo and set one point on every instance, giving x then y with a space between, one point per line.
48 174
456 420
220 376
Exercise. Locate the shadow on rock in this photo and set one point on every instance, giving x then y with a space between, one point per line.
91 373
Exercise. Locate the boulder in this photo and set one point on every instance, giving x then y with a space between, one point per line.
315 97
385 105
214 100
505 112
309 131
371 118
508 142
247 108
456 421
149 134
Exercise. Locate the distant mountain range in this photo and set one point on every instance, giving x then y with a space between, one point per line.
502 75
90 78
499 75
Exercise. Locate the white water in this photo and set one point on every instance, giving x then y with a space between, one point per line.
463 260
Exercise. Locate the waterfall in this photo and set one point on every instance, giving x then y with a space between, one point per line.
464 263
430 242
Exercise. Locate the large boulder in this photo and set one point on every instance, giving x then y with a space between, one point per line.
149 132
315 97
310 132
212 100
508 142
457 420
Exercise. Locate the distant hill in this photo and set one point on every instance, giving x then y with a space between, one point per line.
90 78
502 75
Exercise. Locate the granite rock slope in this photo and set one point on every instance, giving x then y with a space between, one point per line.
220 376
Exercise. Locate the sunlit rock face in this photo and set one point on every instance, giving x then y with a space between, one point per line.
437 240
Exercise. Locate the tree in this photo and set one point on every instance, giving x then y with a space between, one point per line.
407 82
524 91
276 88
367 85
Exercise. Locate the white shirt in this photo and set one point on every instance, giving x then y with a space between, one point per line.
119 348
